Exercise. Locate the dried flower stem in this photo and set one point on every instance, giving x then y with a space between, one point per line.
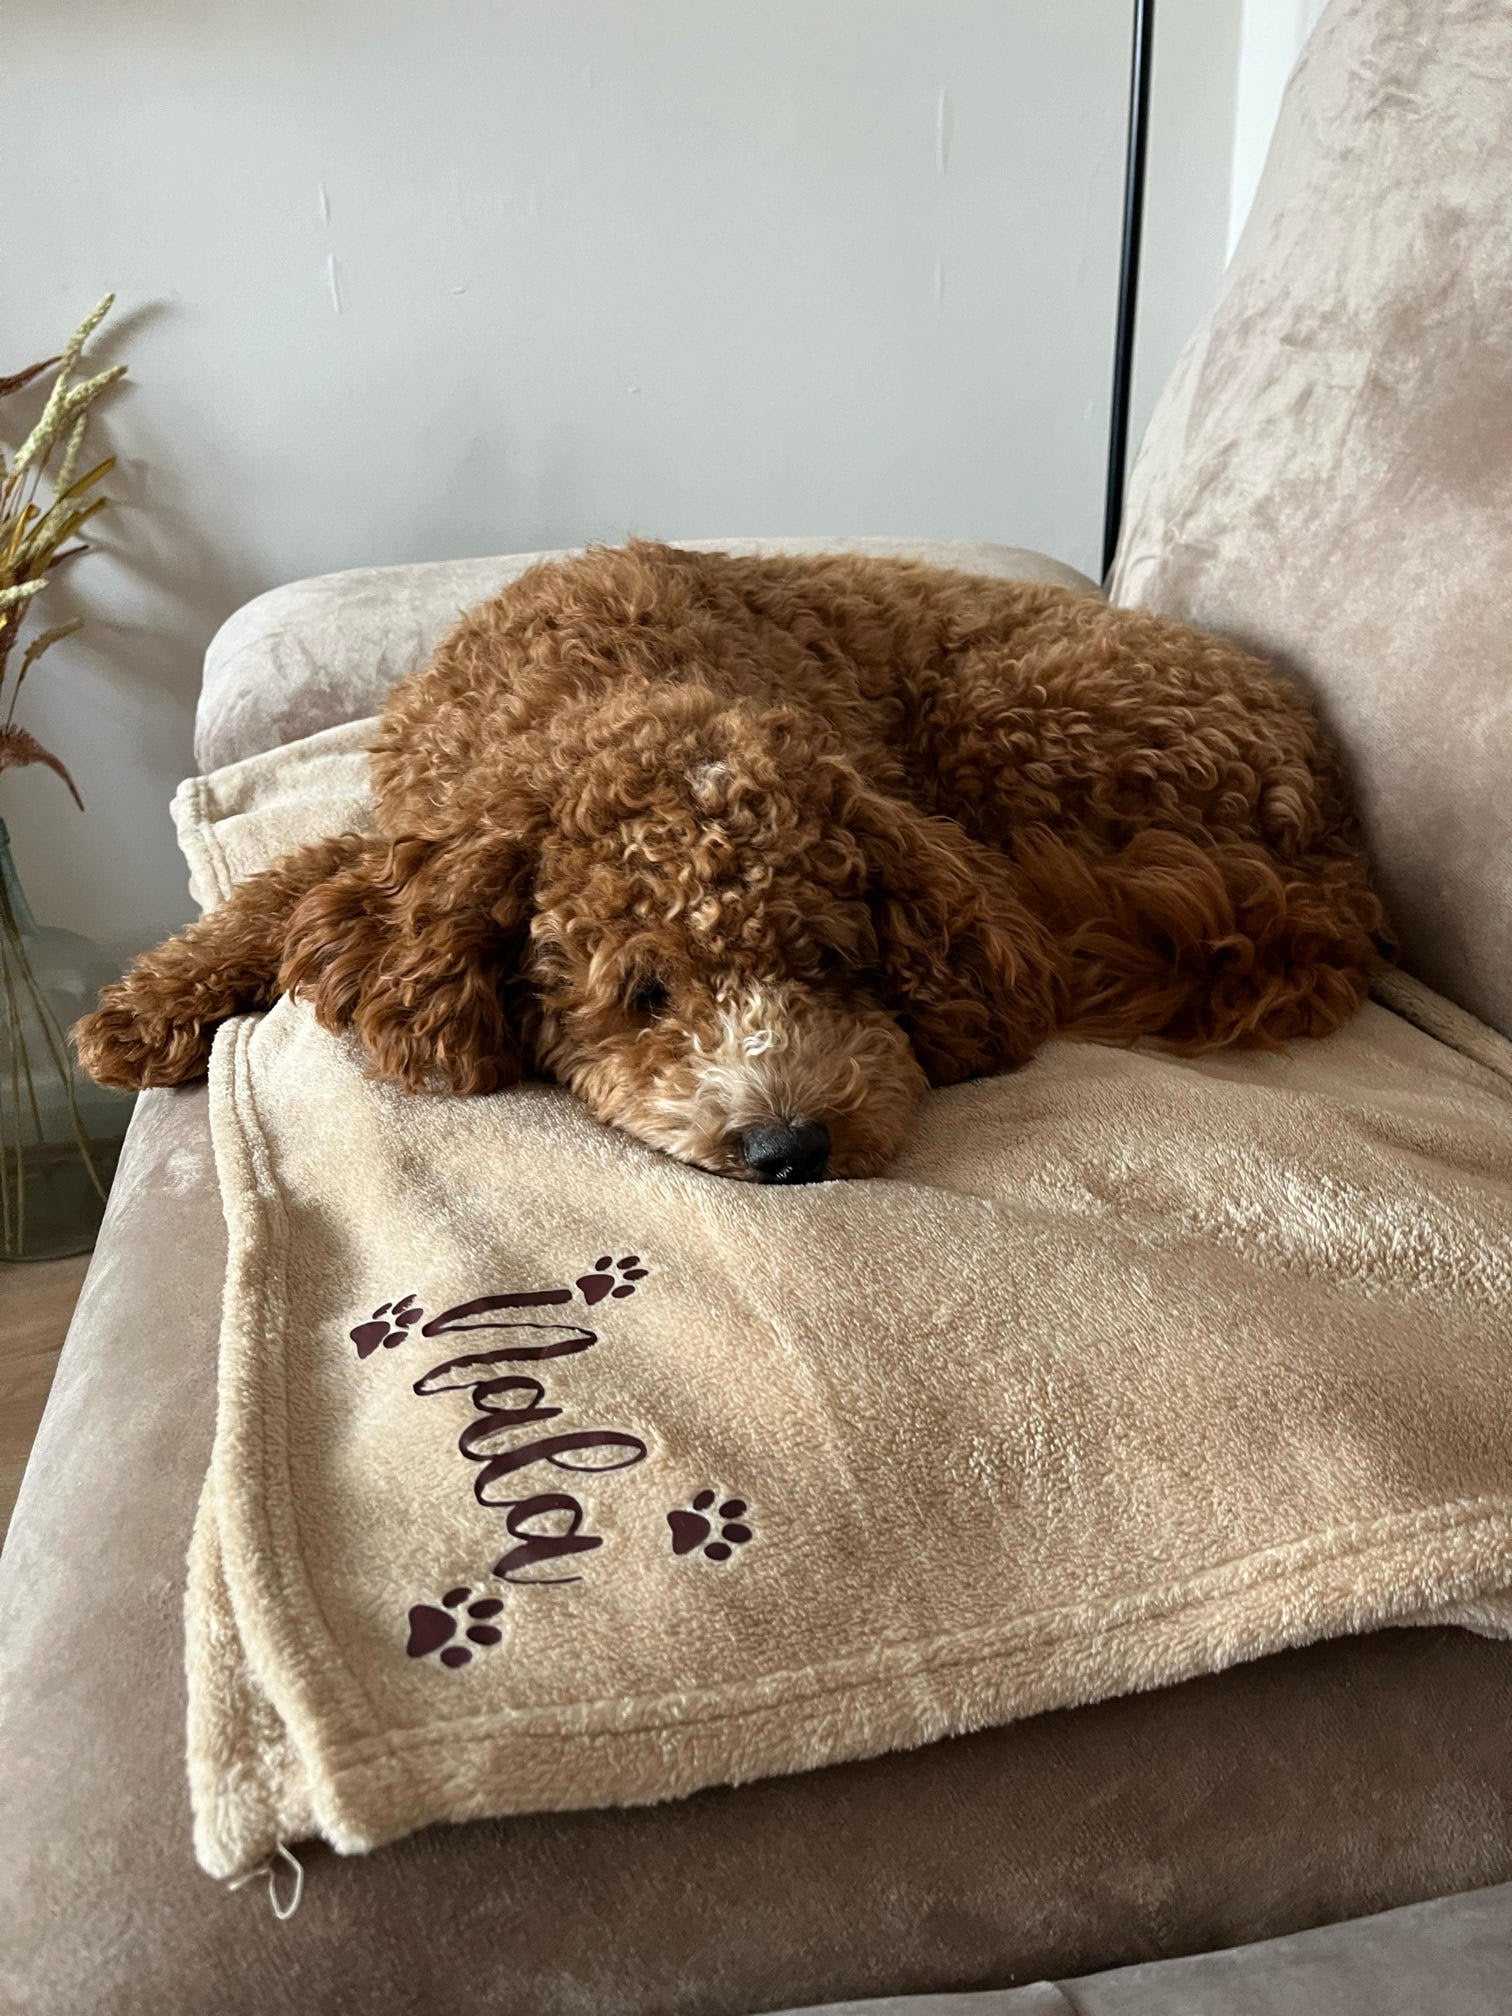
34 538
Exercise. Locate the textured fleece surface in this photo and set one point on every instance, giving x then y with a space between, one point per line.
549 1473
1328 474
1317 1784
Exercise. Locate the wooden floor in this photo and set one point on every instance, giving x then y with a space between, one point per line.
36 1302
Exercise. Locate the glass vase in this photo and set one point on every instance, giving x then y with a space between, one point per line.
60 1134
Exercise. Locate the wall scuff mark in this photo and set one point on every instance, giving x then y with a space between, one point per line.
943 124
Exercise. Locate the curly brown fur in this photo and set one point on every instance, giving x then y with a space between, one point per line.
730 844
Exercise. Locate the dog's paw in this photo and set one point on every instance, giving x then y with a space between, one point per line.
124 1044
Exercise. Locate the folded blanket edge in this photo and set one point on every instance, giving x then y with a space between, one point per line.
381 1787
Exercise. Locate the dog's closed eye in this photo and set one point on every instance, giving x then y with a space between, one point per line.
647 996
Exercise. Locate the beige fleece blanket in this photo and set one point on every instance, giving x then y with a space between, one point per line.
548 1473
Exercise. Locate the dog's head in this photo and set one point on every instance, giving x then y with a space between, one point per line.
709 927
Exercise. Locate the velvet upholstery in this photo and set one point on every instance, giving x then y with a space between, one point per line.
1328 474
1451 1958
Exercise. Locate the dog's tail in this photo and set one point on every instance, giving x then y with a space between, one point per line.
1208 945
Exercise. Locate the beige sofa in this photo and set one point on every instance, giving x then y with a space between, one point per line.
1314 1786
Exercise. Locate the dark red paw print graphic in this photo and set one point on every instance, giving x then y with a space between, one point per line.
435 1630
611 1277
698 1528
389 1325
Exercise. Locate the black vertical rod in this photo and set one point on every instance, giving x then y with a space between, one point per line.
1128 273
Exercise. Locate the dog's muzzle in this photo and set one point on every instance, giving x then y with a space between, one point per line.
794 1151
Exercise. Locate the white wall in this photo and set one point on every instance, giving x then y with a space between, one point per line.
1187 185
403 281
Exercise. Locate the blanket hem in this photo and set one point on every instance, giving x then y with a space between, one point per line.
421 1776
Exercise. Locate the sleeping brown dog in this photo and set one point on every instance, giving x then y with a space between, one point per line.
748 853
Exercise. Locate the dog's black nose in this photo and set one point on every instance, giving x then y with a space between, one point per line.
794 1151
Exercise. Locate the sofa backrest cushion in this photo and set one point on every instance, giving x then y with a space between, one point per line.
1328 475
319 652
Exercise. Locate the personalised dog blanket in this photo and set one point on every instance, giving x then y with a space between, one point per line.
550 1473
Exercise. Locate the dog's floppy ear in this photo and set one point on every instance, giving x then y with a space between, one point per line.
416 948
971 974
